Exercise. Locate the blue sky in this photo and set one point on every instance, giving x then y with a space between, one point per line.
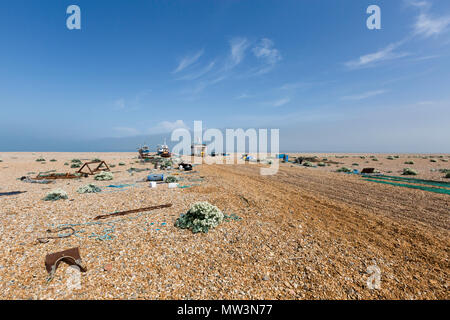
311 68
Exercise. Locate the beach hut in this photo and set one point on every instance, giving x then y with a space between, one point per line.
198 149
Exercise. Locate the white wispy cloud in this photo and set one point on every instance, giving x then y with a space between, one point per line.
167 126
238 47
377 57
265 50
364 95
427 26
200 73
267 54
222 68
188 60
429 57
422 4
281 102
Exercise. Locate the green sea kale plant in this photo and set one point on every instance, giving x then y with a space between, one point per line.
56 194
171 179
307 164
89 188
104 176
166 163
409 172
201 217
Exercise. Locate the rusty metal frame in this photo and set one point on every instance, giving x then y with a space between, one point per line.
56 177
123 213
96 170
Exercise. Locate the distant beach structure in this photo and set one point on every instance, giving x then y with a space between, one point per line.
198 149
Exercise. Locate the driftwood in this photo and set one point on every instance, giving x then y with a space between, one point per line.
122 213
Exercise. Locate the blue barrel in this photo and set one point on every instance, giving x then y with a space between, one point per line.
155 177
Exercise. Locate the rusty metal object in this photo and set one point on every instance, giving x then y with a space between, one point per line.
31 180
55 176
46 239
122 213
97 169
70 256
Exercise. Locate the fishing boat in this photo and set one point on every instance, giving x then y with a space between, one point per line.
144 152
163 150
